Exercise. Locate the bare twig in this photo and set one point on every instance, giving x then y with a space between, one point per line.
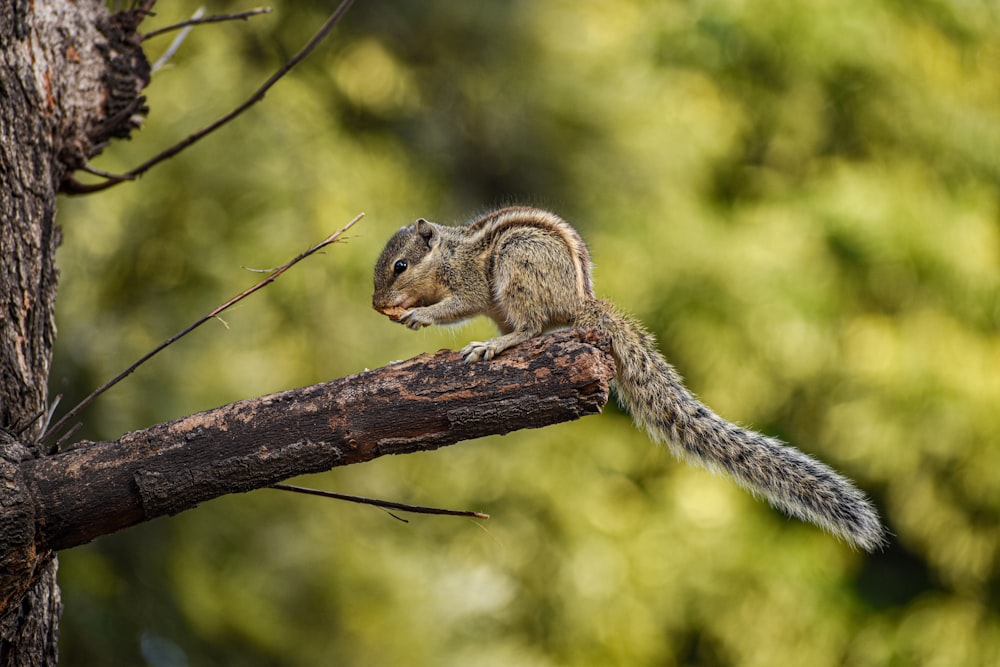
105 174
384 504
176 44
332 238
66 436
73 187
198 19
51 411
18 430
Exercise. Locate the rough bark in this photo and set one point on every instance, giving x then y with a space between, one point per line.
424 403
69 80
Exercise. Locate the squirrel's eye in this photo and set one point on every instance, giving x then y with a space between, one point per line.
399 266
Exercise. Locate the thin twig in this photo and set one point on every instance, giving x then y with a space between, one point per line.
176 44
84 188
105 174
66 436
19 430
384 504
199 19
50 412
270 278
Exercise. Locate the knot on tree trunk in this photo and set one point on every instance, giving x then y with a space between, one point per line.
108 100
125 78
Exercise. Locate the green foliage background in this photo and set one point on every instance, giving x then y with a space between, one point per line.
799 197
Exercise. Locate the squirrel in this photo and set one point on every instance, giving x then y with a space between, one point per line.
530 272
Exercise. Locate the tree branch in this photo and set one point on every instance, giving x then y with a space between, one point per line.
375 502
199 20
427 402
273 274
175 45
73 187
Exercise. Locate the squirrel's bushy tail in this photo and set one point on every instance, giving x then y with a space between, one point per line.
652 391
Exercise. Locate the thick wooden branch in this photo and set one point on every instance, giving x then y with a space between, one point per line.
424 403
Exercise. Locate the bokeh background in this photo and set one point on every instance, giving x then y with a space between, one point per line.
800 197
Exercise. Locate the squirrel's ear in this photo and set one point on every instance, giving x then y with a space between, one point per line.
428 232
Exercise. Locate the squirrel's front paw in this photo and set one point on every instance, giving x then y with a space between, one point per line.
416 318
479 350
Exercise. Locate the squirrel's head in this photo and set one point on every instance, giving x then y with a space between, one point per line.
407 273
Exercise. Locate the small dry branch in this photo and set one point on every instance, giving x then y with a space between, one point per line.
199 20
273 275
74 187
383 504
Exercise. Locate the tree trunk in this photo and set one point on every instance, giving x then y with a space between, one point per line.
70 77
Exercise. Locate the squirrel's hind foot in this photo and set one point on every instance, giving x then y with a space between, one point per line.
484 350
479 350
